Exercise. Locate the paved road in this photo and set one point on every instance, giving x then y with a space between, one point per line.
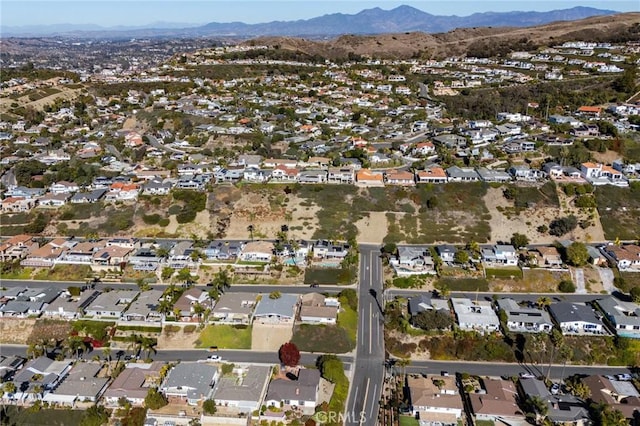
245 356
558 371
518 297
154 143
236 288
366 383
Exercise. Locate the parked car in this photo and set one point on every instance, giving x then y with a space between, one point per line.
527 376
214 358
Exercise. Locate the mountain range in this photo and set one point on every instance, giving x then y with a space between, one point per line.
368 21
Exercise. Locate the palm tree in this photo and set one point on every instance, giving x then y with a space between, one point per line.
403 363
198 309
164 306
148 344
74 344
38 390
34 350
250 229
10 388
543 302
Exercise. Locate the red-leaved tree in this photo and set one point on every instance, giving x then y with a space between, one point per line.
289 354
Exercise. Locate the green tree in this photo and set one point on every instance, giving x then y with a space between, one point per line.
577 254
461 257
635 294
519 240
95 416
275 295
9 387
432 320
209 406
154 399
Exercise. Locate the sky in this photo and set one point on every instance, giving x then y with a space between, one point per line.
142 12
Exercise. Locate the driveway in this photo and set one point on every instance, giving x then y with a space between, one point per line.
579 280
606 276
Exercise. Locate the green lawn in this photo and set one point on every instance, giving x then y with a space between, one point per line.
225 336
339 338
408 421
348 320
329 275
506 272
50 417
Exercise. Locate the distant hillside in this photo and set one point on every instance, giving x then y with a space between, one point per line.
479 41
368 21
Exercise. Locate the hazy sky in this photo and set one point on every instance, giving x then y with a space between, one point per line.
142 12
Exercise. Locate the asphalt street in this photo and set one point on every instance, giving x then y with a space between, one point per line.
368 374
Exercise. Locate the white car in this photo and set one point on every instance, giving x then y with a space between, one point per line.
527 376
214 358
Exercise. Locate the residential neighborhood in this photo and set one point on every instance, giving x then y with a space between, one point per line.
267 232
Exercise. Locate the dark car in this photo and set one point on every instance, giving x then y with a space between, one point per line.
314 285
291 376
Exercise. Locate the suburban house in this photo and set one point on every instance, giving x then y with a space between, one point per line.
80 385
435 399
312 176
500 255
397 177
326 249
498 403
600 174
413 260
244 389
9 365
190 382
144 307
475 316
620 395
281 309
425 302
366 177
17 204
43 372
525 173
446 252
88 197
68 307
315 308
565 409
223 250
63 187
190 298
342 175
624 316
432 175
111 304
134 383
110 256
257 251
235 308
53 200
575 318
16 247
462 174
525 319
301 393
549 257
626 256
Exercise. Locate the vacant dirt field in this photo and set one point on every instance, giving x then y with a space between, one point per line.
372 229
268 213
504 226
269 337
15 330
178 339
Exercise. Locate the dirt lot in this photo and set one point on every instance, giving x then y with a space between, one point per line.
504 226
372 229
15 331
269 337
177 340
267 211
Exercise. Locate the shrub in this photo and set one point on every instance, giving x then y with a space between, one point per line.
151 219
164 222
567 286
